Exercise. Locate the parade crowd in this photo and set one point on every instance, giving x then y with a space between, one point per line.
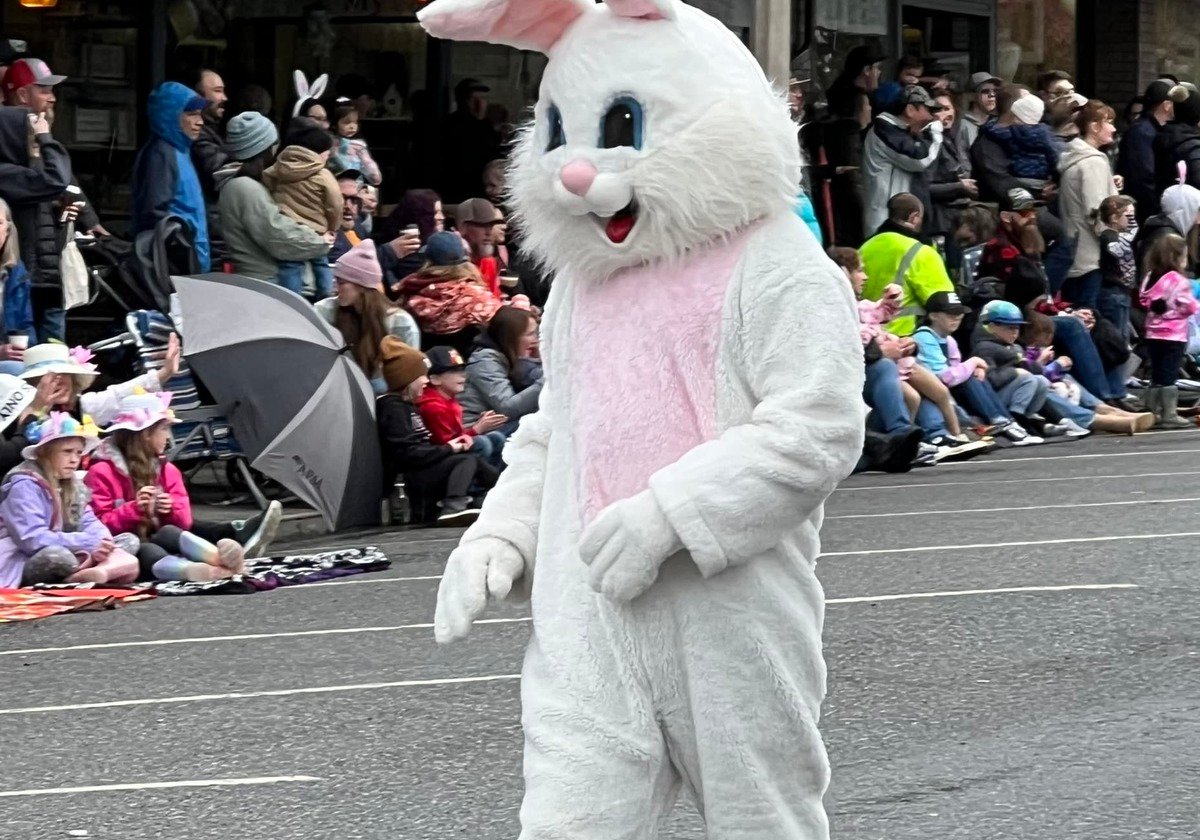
1016 270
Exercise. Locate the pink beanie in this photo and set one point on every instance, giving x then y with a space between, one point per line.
360 266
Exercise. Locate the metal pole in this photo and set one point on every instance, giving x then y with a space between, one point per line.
772 38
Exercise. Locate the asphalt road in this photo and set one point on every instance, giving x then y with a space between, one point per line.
957 710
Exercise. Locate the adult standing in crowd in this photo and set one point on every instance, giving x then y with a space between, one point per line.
208 152
1136 163
1054 85
165 183
421 209
950 183
469 142
503 374
1178 143
1085 180
33 176
984 88
860 77
258 235
839 155
1180 213
901 146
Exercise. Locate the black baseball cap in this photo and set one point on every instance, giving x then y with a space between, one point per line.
444 360
862 56
468 86
947 302
1018 200
1159 91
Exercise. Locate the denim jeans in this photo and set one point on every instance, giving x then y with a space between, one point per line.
1115 303
1083 291
1025 395
1057 262
1072 339
11 368
889 413
980 398
489 447
291 277
1165 359
1057 408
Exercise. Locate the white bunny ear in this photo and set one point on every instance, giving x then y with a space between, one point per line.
523 24
318 86
300 83
643 9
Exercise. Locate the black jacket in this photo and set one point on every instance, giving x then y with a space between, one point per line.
403 438
1004 360
1177 142
1151 230
1136 164
32 186
208 155
990 161
945 181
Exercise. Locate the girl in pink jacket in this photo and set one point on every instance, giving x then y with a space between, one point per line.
134 491
1167 296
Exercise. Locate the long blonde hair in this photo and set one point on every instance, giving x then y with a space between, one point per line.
10 253
62 490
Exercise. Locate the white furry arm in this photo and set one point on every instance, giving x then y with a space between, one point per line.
795 330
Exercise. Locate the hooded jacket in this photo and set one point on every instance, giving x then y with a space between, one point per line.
489 386
1176 143
1085 180
1003 360
1180 207
305 189
945 178
164 179
114 494
32 186
896 161
29 523
1175 290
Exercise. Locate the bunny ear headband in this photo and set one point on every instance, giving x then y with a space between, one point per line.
527 24
304 91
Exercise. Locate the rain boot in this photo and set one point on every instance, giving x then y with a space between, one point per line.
1170 410
1152 397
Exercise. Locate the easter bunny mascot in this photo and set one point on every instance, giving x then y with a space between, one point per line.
703 397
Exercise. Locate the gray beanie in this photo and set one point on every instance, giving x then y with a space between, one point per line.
249 134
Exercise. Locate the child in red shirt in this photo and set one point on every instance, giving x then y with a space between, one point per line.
443 414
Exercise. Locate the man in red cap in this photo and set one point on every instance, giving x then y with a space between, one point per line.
30 83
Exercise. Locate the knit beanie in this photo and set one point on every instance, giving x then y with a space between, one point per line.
360 266
1029 109
310 137
248 135
402 365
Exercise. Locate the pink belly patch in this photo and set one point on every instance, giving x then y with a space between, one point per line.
643 371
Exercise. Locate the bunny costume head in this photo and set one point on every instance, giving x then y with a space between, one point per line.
655 131
702 397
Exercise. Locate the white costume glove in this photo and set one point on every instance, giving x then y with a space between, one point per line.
484 567
625 545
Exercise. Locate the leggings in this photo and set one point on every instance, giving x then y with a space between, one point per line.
170 540
1166 357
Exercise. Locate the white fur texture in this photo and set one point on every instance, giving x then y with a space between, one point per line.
719 148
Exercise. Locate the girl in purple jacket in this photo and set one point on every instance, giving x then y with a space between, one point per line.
1167 296
48 533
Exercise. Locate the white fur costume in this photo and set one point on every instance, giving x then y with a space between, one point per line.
702 399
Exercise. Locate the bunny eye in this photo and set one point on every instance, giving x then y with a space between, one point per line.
557 136
622 124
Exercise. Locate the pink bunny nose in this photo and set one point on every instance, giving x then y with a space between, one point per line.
578 176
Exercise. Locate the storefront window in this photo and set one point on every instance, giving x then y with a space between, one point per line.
1176 48
1034 36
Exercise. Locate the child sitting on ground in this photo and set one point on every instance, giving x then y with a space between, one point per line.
916 382
431 471
306 191
134 491
938 352
1166 293
1038 336
443 414
48 533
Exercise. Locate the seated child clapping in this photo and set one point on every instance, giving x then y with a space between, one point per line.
48 533
443 414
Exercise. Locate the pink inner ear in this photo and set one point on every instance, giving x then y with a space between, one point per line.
641 9
515 23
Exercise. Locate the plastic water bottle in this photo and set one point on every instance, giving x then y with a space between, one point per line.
398 506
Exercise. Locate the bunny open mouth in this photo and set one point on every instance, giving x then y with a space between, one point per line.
618 228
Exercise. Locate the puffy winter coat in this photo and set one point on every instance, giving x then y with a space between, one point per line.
32 186
490 388
305 189
114 494
1085 180
164 180
1175 291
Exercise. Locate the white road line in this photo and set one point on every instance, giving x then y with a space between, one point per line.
196 783
918 549
962 592
195 640
863 599
1073 457
195 698
1115 476
959 511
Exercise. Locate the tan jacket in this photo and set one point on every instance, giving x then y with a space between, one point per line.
304 189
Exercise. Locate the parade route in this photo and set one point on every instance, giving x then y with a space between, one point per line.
1013 648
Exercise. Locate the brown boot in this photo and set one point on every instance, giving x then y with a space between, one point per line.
1122 423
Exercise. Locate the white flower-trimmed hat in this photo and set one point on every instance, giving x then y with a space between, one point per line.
141 410
42 359
57 426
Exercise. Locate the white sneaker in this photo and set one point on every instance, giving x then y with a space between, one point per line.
1017 435
926 455
1073 429
963 451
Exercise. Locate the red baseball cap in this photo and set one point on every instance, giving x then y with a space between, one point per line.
29 71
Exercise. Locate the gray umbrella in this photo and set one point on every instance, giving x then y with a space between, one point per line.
299 404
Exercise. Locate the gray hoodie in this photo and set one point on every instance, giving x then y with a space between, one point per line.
490 389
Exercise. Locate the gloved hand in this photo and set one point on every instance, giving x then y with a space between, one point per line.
625 545
1158 306
476 570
